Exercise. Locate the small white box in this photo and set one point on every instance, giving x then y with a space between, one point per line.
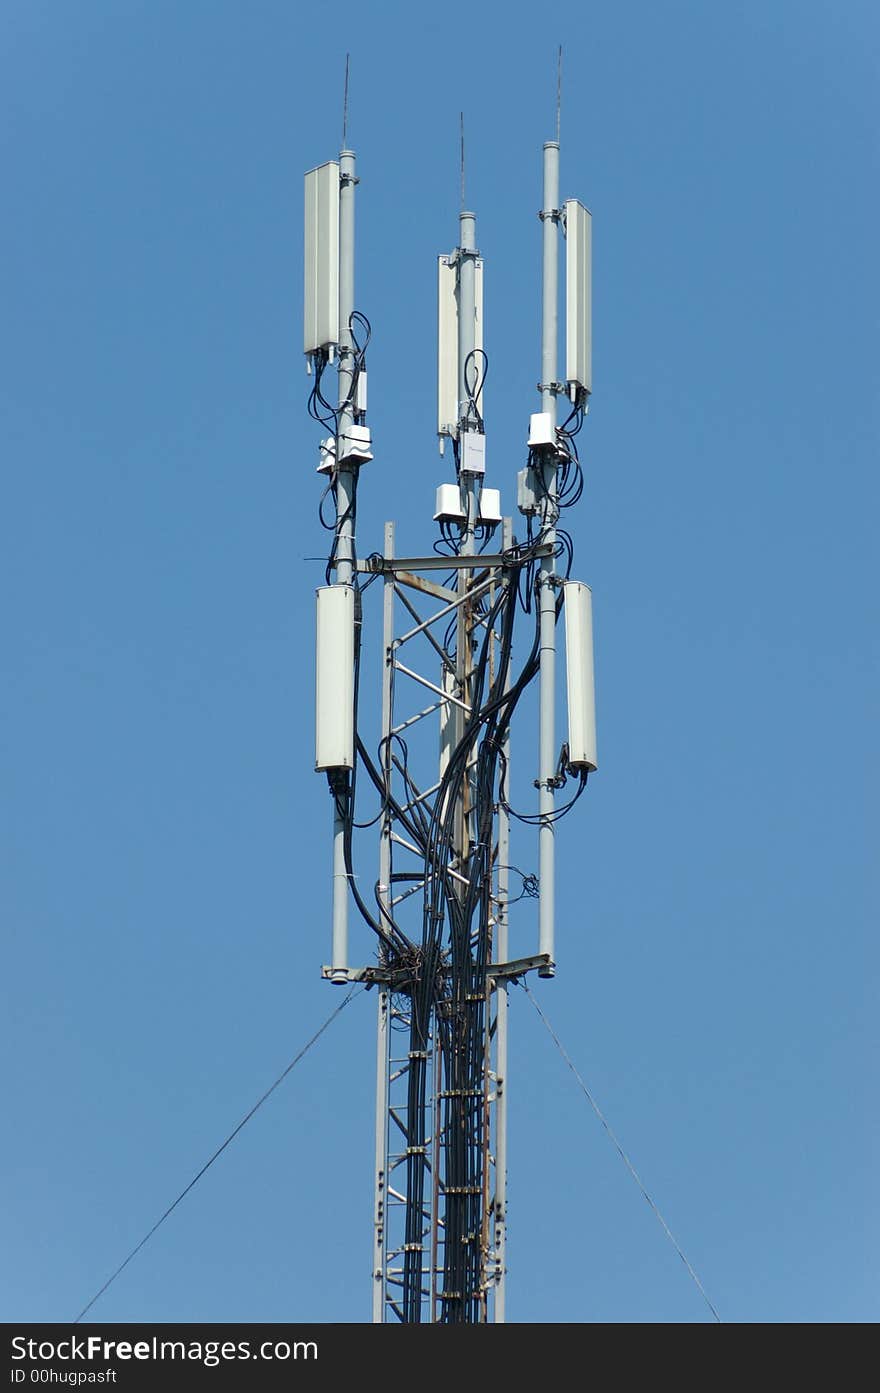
472 452
355 445
542 434
448 505
526 496
327 456
490 507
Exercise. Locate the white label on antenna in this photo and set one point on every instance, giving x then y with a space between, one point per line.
578 295
321 292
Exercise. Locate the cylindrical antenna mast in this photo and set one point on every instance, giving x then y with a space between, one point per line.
461 160
345 105
468 368
346 485
547 577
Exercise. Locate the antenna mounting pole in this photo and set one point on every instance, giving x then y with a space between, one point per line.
345 105
346 486
547 581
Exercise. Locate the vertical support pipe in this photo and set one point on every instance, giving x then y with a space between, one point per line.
467 304
502 954
381 1195
467 322
436 1147
346 484
383 1037
470 491
345 480
547 575
339 944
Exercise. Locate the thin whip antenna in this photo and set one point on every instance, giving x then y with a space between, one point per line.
461 157
620 1151
345 106
558 92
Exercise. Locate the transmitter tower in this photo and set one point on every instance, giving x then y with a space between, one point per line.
465 628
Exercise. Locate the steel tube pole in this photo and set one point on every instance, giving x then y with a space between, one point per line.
382 1038
346 483
467 322
346 479
380 1203
502 953
547 574
467 304
469 485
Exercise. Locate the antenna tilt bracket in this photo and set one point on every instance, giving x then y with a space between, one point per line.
555 214
518 967
460 253
559 779
370 976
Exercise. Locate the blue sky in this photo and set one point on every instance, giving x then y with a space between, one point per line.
165 884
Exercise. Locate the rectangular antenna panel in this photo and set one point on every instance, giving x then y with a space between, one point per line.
447 349
447 340
334 685
578 610
578 295
321 298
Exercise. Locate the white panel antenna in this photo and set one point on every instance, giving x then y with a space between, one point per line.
578 610
578 298
448 410
334 673
447 349
321 297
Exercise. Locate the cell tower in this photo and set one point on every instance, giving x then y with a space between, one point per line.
440 763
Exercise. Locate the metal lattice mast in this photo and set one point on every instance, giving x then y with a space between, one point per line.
439 909
439 1208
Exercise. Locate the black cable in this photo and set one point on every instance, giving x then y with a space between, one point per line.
530 884
538 819
476 369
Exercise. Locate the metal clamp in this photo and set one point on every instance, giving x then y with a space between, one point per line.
518 967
